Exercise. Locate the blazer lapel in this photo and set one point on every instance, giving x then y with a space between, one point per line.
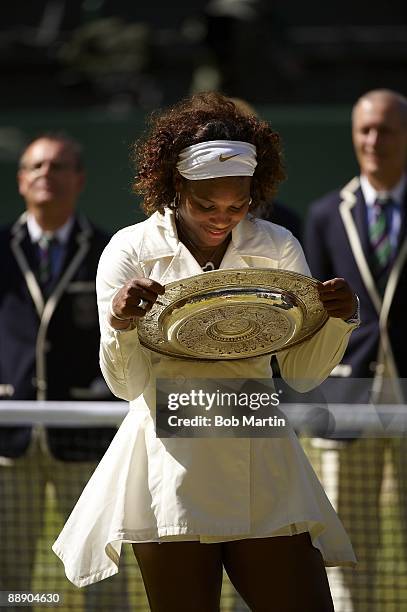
353 221
403 225
353 217
359 214
24 253
397 267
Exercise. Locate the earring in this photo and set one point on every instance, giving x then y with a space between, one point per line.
250 202
175 202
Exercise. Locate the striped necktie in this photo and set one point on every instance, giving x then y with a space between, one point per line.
45 269
379 234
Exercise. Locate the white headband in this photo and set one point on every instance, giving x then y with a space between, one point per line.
214 158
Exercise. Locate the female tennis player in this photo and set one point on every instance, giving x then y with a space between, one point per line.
193 506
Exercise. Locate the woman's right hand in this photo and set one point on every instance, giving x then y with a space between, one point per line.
133 300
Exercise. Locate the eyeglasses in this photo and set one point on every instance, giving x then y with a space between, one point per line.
55 166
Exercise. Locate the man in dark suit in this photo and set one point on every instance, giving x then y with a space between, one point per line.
49 351
359 233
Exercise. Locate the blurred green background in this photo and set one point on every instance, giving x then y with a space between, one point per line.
317 145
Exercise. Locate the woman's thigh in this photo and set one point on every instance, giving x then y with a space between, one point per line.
181 576
281 574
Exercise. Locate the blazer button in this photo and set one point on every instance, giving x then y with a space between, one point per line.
380 368
6 390
39 384
42 385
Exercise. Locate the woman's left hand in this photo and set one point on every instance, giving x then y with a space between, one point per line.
338 298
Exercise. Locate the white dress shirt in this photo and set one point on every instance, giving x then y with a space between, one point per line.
62 234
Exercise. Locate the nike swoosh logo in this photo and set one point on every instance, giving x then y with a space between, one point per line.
223 158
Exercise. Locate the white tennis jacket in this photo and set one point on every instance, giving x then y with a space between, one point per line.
208 489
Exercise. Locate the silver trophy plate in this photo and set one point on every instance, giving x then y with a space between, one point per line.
233 314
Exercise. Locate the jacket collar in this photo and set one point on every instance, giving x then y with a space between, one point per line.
62 234
248 239
353 213
370 194
77 248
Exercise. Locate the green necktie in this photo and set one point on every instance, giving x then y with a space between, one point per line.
379 234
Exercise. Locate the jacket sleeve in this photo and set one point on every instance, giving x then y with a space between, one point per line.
125 364
307 365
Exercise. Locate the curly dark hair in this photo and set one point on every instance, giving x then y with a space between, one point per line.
202 117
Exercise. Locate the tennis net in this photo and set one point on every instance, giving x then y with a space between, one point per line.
39 492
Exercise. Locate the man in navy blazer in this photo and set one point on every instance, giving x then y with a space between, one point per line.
342 238
49 351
